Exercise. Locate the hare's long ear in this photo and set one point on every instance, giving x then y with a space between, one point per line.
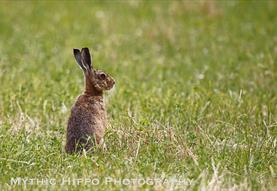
85 57
77 55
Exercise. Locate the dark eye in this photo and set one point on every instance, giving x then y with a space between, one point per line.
103 76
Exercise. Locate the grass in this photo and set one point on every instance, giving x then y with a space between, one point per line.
195 99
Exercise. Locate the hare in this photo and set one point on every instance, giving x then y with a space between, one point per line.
87 121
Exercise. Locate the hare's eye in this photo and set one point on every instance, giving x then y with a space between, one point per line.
102 76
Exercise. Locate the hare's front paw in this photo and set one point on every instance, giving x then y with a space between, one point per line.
102 145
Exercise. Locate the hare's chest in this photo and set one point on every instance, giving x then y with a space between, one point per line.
98 120
97 112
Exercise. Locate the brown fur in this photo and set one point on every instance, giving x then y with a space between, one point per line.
87 121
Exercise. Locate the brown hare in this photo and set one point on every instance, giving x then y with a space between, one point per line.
87 121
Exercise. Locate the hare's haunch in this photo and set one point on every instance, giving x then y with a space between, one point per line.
87 121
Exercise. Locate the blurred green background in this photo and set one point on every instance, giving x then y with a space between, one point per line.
195 96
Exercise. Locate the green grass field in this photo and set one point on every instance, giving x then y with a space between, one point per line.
195 98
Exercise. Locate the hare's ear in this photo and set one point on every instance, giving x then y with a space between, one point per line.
85 57
77 55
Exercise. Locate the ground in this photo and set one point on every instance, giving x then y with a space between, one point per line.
195 98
